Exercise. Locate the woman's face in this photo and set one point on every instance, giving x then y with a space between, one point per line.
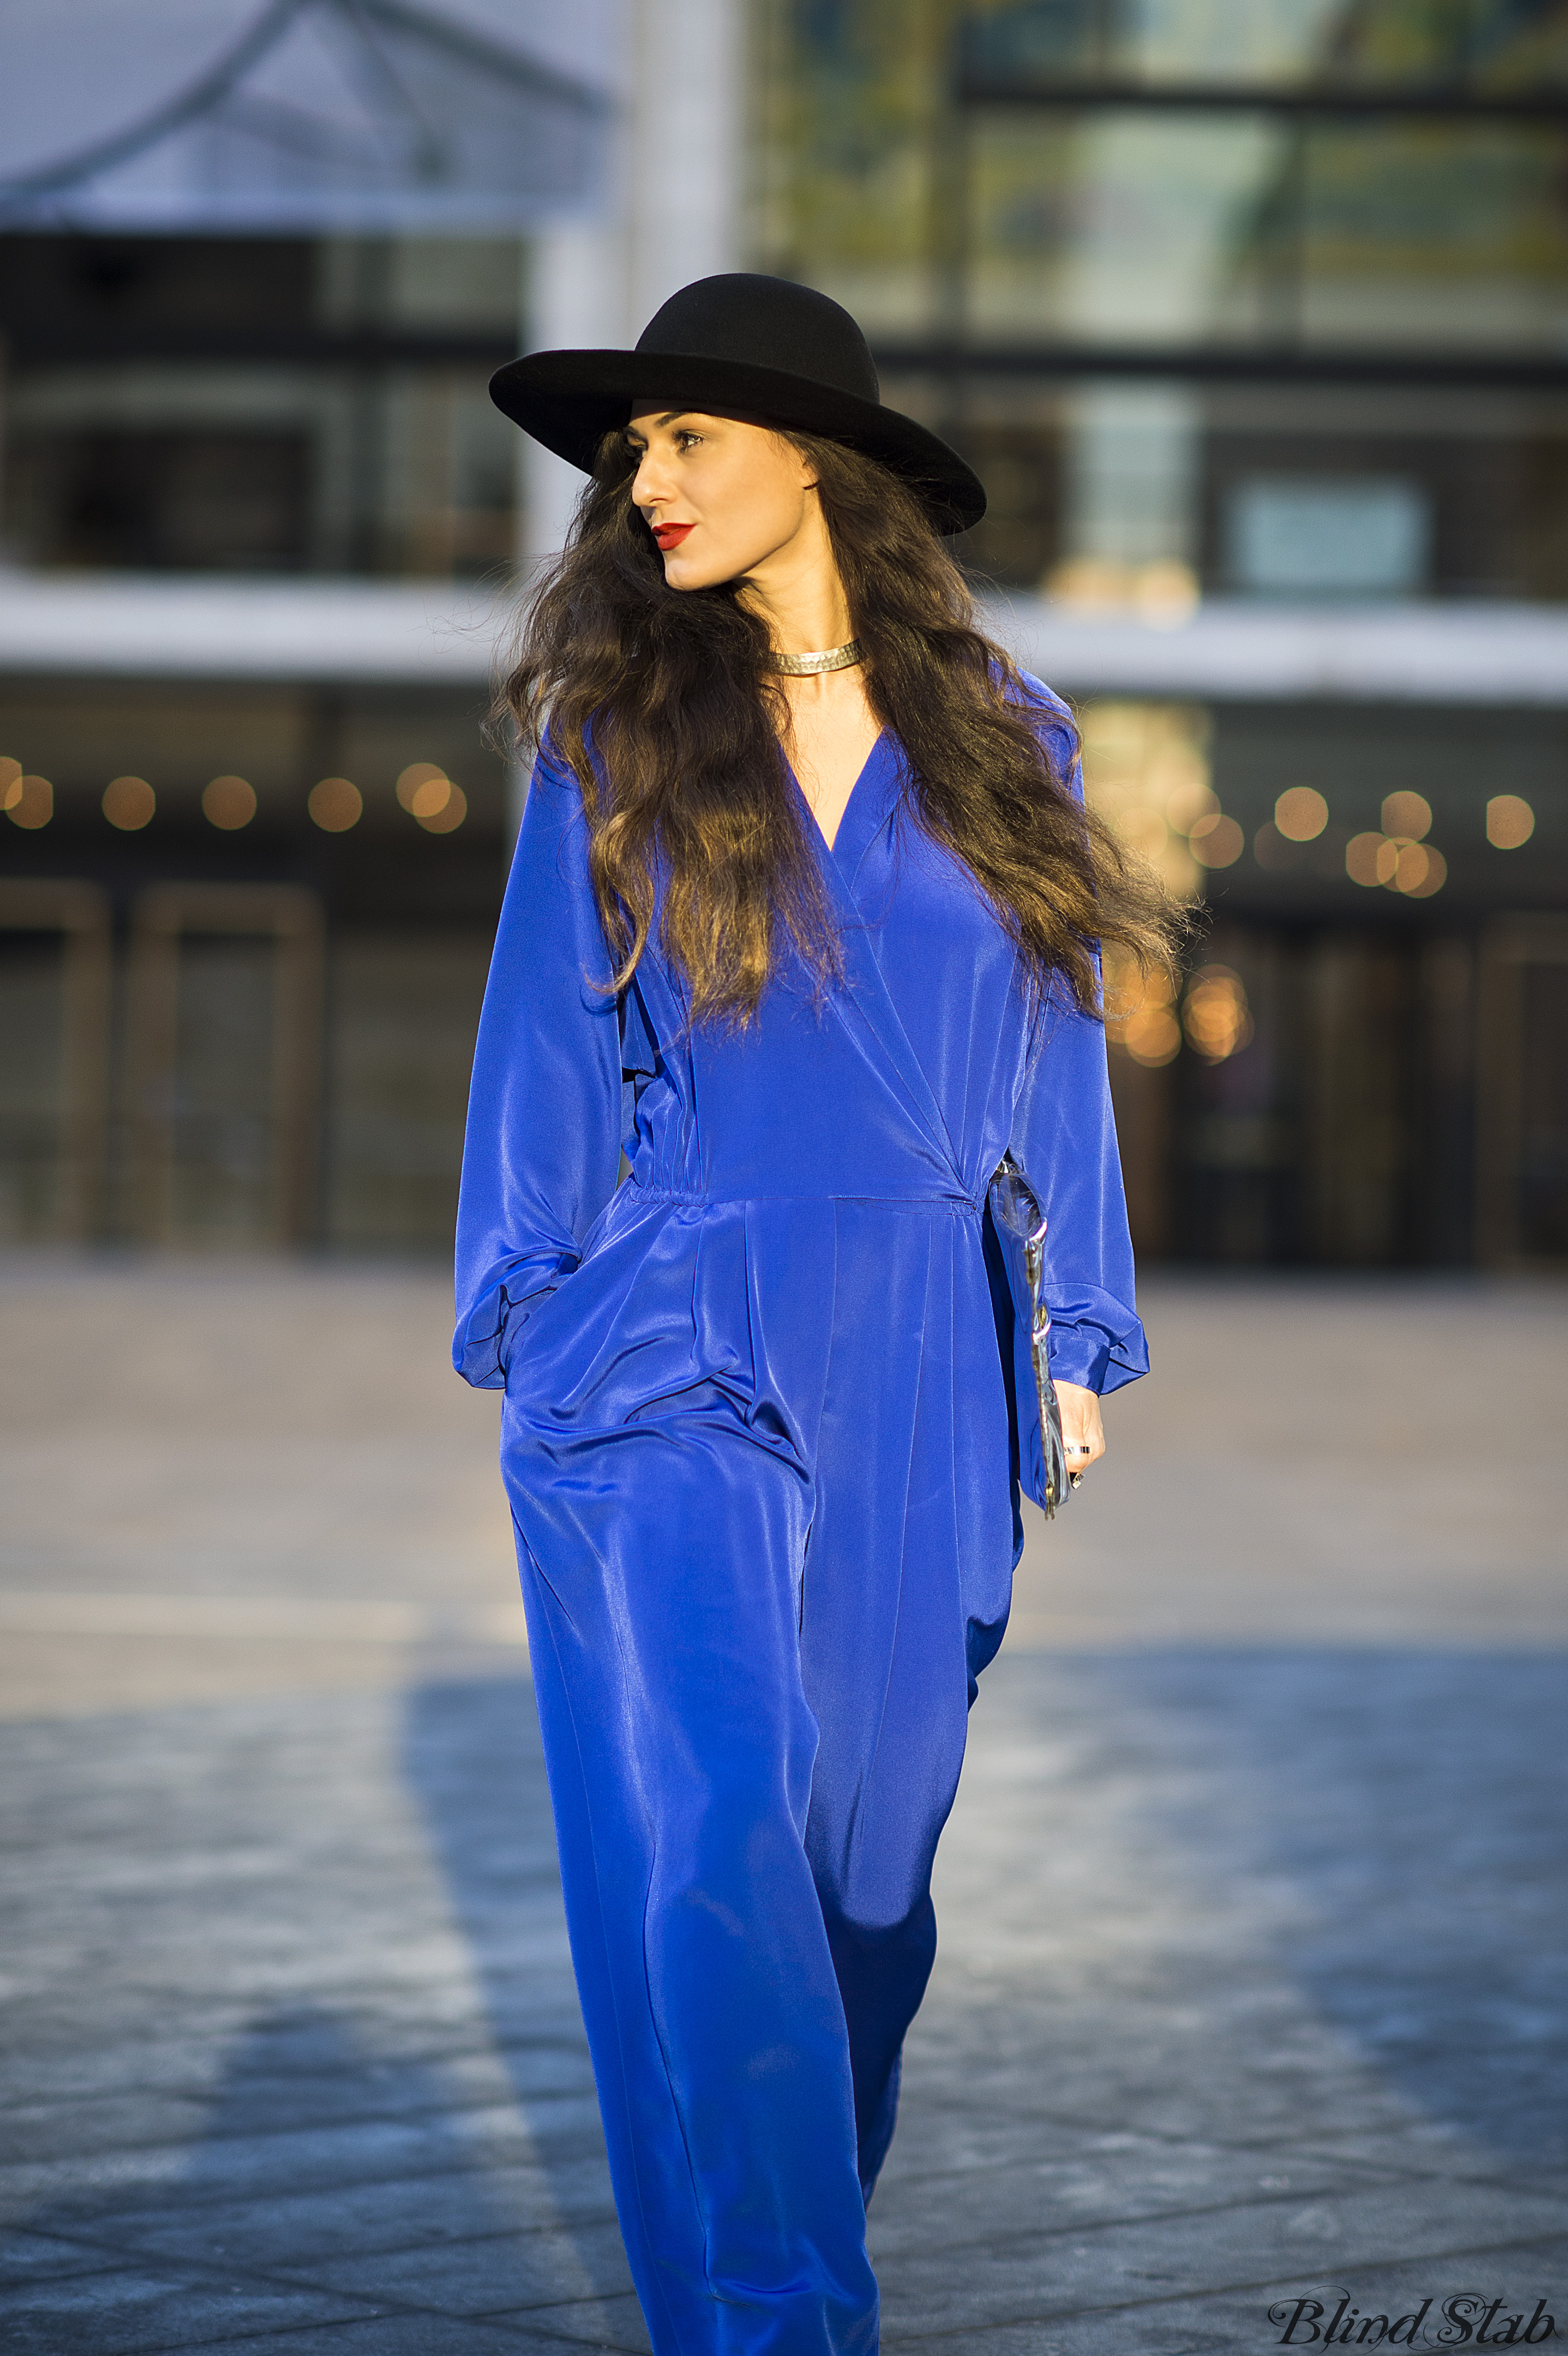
721 497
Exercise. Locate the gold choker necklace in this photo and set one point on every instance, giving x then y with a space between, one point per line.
809 666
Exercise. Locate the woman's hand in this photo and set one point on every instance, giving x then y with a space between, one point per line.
1083 1433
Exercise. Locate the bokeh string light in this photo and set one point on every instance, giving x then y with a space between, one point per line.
1140 1016
1406 817
1510 821
128 803
27 801
1191 797
1217 840
1419 870
1142 1019
1398 859
450 814
1215 1014
336 805
1301 813
229 803
423 788
428 796
1146 772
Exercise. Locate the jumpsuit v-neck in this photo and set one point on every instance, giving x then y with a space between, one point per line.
766 1417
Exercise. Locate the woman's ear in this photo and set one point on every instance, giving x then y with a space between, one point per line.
808 481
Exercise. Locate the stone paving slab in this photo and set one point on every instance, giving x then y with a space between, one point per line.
25 2257
61 2088
1138 2179
1254 1972
484 2274
974 2283
402 2335
130 2308
365 2211
1303 1465
1238 2317
260 1436
1434 2148
1201 2033
592 2323
1198 1900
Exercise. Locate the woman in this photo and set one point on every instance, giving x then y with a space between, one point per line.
802 920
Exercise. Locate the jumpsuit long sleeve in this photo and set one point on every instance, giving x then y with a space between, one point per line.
762 1444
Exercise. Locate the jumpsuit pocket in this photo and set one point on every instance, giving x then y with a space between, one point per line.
617 1333
520 1327
538 1304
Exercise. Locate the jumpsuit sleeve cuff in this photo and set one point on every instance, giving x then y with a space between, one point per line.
1097 1342
483 1343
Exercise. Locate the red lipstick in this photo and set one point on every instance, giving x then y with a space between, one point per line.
671 535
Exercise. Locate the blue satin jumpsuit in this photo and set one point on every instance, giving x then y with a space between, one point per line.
765 1413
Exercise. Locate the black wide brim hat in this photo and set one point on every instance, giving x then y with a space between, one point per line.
763 347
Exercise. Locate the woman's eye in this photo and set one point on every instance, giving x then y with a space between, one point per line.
687 440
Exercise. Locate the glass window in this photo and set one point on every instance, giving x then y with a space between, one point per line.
1365 536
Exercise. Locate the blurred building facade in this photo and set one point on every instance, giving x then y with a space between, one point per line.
260 533
1253 320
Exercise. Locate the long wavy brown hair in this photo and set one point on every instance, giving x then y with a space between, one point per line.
686 784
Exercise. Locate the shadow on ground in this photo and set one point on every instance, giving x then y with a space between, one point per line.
1379 1836
270 2078
1254 1963
1417 1805
473 1757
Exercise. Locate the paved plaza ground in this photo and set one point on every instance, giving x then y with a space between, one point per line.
1253 1979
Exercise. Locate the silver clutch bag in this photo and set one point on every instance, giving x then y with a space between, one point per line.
1021 1225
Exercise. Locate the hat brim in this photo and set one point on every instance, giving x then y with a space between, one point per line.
570 401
